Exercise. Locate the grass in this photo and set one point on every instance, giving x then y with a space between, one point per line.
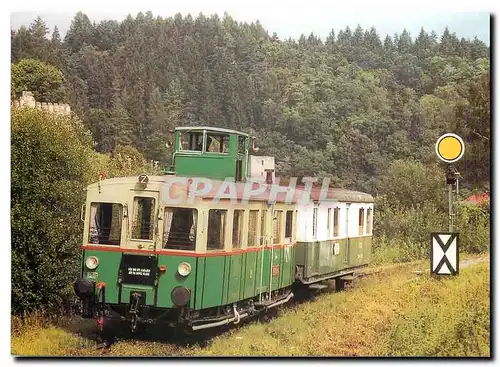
391 313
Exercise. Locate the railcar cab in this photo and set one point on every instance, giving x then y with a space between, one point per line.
126 225
210 152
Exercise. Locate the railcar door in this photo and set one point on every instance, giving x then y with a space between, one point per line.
347 234
138 265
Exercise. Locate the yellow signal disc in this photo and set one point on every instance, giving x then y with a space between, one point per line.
450 148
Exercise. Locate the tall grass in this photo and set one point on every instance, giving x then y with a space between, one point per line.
443 317
394 312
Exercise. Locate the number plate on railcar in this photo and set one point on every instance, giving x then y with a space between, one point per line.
92 275
276 270
137 269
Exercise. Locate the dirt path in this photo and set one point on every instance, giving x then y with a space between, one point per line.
468 262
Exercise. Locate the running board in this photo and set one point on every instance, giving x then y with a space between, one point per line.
282 301
219 323
331 275
274 304
236 319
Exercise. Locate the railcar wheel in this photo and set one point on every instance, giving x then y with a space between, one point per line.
268 315
330 283
339 284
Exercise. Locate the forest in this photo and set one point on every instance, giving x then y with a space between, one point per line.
363 110
345 107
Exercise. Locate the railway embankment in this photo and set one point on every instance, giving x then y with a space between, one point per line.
398 310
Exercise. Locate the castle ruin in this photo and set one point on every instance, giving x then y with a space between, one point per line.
28 100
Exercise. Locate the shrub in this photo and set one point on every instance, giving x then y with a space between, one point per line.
52 162
49 171
414 205
473 223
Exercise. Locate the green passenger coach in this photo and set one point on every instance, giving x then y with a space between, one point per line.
165 249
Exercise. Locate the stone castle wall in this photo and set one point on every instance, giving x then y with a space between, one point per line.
28 100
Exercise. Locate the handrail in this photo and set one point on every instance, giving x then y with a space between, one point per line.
82 216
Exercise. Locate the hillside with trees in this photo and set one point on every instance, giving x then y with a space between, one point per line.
343 107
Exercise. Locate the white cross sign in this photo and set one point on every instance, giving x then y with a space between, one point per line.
444 253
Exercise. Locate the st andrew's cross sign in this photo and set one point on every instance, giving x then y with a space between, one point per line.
444 253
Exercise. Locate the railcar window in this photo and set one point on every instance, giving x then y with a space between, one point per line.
192 141
315 221
143 218
277 226
241 144
328 219
216 229
361 221
252 227
288 223
369 221
105 223
179 228
237 228
336 222
217 143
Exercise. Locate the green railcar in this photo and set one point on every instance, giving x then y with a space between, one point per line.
176 249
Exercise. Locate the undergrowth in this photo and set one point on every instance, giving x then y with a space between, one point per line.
391 313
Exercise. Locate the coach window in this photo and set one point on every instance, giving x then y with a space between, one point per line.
336 222
263 229
253 216
241 144
237 228
328 221
288 224
179 228
192 141
369 221
361 221
217 143
216 229
315 221
277 227
143 218
105 223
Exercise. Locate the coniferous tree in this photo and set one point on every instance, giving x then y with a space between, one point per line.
215 71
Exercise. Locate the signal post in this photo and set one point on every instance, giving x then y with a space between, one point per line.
444 246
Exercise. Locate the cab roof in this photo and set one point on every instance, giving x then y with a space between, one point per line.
211 129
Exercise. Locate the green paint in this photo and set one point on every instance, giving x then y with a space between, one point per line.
276 256
223 280
213 281
200 277
319 258
250 274
107 271
210 164
171 279
234 277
